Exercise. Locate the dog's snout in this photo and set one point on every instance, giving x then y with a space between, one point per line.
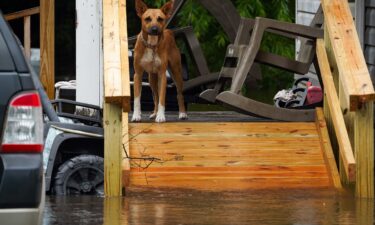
154 30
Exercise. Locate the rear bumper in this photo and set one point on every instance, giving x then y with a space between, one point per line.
21 181
31 216
20 216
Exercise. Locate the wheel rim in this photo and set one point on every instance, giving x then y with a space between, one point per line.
85 180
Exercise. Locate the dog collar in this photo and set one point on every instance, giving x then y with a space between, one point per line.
146 44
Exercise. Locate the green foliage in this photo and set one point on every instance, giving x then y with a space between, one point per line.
214 39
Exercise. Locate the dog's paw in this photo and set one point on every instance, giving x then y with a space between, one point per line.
160 118
182 116
153 115
137 117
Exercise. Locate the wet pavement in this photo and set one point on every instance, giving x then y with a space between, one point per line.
257 207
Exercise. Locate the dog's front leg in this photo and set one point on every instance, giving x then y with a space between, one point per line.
153 80
137 114
162 78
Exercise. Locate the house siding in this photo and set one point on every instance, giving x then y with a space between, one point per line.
305 12
369 37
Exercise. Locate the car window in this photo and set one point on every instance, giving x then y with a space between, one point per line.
6 62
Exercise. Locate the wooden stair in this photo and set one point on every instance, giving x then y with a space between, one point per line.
227 156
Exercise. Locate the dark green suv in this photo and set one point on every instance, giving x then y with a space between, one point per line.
21 136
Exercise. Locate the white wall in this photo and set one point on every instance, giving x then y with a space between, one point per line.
89 55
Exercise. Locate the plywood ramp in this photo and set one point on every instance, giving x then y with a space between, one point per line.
226 156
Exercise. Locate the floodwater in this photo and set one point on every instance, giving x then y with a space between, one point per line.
276 207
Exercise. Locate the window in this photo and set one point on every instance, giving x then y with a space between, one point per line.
6 62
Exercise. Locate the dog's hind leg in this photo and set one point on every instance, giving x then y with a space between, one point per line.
176 68
137 114
153 79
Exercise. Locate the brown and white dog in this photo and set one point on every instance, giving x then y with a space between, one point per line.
155 51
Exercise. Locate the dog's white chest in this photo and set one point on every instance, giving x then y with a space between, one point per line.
150 61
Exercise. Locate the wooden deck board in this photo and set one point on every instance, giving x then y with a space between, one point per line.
219 156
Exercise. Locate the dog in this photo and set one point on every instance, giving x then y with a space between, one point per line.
156 50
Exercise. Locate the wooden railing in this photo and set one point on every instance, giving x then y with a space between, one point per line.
46 12
333 105
349 96
26 16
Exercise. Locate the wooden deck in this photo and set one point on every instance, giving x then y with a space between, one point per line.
227 156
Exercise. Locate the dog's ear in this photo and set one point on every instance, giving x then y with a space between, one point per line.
140 7
167 8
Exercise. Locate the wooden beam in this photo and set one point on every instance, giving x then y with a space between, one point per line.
116 94
325 143
346 152
348 54
27 36
47 46
125 150
22 14
124 57
112 149
364 150
113 211
364 211
112 52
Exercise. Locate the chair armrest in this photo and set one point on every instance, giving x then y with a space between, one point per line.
290 29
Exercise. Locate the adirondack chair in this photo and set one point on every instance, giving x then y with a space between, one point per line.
245 52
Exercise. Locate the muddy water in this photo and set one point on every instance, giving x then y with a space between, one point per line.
258 207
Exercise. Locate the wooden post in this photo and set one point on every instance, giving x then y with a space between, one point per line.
364 150
27 36
124 49
125 150
125 92
47 46
116 95
112 149
364 211
113 212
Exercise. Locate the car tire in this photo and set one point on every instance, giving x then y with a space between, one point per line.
83 174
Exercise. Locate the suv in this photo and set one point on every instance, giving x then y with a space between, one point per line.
21 136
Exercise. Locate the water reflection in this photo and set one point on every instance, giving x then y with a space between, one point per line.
258 207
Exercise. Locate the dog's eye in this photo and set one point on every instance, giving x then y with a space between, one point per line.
148 19
160 19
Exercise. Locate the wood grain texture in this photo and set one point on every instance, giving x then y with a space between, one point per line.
125 149
364 150
333 103
347 53
113 91
327 148
47 46
22 14
355 90
125 76
112 211
113 150
27 36
226 156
